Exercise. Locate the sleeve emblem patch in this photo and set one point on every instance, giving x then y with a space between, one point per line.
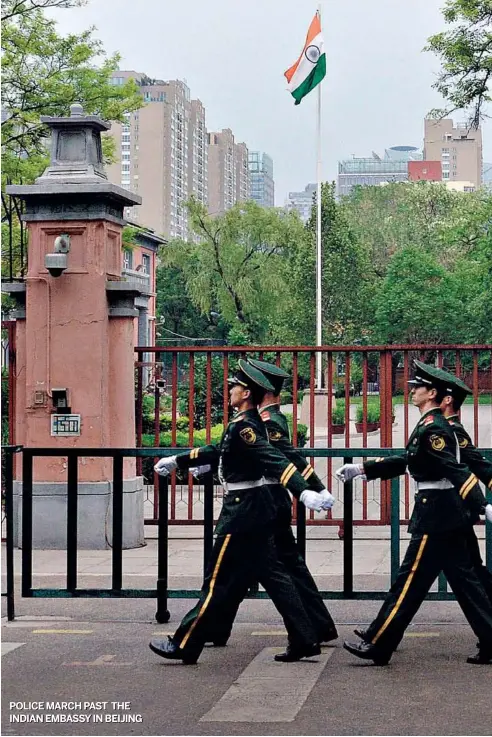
437 442
274 434
248 435
463 442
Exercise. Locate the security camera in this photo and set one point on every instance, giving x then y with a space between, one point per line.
62 243
160 383
56 263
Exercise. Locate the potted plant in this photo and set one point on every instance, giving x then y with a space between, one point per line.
338 418
373 418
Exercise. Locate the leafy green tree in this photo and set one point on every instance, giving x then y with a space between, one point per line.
233 265
417 302
15 8
466 56
176 310
43 74
344 271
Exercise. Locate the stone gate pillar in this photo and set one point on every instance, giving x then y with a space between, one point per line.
75 338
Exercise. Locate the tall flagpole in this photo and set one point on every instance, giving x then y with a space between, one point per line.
319 336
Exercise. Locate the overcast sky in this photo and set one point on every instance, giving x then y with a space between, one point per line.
232 54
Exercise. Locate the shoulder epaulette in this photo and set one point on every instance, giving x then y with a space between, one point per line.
265 416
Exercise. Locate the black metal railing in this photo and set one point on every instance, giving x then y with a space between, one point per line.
161 592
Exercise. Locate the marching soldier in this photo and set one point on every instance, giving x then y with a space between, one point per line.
244 550
447 492
285 542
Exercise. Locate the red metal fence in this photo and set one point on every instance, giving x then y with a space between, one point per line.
182 399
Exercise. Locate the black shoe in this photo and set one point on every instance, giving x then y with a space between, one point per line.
168 649
482 657
295 652
217 642
367 651
328 636
361 633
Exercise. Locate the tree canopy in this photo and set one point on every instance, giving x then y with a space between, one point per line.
43 74
465 51
233 263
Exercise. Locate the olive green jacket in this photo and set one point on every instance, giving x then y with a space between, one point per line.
245 455
430 456
279 436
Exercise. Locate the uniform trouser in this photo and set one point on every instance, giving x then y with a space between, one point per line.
426 556
236 561
302 579
482 571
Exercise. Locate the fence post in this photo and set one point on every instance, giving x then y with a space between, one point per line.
395 528
27 459
162 614
208 518
348 536
9 512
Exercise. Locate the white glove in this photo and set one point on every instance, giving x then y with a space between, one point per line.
488 512
198 471
312 500
165 465
350 471
327 499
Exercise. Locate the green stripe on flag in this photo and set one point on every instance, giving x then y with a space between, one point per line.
310 82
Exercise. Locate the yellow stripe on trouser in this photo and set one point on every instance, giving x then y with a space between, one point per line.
404 592
290 467
210 591
307 472
468 485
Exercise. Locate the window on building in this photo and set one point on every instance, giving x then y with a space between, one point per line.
146 263
127 258
445 175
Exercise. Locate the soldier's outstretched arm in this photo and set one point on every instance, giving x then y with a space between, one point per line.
377 468
206 455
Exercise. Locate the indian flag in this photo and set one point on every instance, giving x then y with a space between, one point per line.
310 68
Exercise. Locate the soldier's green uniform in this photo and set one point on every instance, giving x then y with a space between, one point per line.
279 436
244 550
447 493
482 468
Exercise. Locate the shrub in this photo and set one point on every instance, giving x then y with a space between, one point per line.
302 431
373 413
183 439
338 414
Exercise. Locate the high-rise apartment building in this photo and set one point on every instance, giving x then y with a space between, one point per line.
162 153
261 176
302 202
243 184
458 148
198 153
228 180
